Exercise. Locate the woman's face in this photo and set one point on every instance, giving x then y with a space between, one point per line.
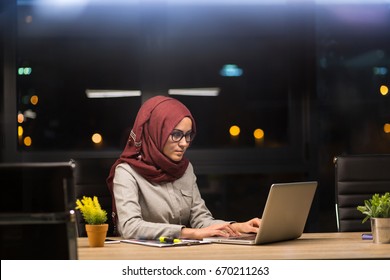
175 150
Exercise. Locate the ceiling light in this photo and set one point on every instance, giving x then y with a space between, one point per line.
103 93
195 91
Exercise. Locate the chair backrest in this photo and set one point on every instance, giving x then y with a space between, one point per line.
357 178
37 211
90 180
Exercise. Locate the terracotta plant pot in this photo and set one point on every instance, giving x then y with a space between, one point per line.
96 234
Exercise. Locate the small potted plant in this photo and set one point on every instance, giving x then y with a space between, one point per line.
377 209
95 218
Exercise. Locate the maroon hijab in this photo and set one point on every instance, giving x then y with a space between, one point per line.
155 120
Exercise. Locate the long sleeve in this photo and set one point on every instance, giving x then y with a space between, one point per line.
147 210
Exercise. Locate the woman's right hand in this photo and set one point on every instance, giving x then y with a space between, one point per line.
224 230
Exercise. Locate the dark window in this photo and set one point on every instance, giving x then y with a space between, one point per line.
242 53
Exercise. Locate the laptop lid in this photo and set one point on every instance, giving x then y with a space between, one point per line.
284 216
286 211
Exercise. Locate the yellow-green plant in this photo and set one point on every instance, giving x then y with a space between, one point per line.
91 210
378 206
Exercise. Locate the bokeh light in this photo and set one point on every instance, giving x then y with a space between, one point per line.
384 90
97 138
27 141
234 130
258 133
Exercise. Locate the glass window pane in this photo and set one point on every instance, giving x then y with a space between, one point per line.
241 54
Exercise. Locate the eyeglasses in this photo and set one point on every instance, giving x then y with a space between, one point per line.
177 135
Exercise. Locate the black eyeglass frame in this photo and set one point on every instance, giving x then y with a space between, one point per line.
178 134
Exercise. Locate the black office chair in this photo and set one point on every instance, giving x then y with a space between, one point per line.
37 211
90 180
357 178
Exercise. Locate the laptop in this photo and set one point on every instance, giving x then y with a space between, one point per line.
284 216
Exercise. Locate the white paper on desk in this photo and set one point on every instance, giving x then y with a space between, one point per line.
157 243
112 241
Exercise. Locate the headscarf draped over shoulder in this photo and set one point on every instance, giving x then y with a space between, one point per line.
155 120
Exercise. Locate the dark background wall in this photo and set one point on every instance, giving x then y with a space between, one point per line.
311 79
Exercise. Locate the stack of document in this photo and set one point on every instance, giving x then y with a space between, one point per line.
158 243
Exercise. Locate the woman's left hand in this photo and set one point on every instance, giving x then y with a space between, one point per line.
251 226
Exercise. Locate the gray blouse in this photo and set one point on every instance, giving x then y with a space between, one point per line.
146 210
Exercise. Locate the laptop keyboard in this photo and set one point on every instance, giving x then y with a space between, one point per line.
244 237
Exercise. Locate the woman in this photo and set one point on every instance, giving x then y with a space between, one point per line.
154 185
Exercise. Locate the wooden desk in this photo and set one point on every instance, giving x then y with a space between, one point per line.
339 245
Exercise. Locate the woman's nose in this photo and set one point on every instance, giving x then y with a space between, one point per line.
183 142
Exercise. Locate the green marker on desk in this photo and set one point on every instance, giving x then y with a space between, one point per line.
164 239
